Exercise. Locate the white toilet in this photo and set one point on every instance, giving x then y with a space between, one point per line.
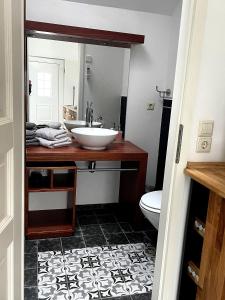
150 205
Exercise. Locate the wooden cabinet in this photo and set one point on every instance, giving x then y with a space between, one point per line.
50 177
203 269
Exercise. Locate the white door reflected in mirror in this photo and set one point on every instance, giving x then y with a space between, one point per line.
45 101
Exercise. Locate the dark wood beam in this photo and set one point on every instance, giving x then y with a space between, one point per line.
81 35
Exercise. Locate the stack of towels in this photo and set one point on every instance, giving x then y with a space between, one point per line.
53 138
31 139
48 135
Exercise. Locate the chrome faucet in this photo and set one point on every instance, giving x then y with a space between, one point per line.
89 114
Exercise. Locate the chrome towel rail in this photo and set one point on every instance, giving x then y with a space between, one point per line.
107 169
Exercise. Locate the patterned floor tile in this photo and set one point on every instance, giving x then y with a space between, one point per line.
84 290
101 272
140 284
51 275
54 292
109 288
50 258
77 273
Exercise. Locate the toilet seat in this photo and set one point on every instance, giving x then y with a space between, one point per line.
152 201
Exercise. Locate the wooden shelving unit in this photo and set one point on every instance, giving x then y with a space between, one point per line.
203 276
50 177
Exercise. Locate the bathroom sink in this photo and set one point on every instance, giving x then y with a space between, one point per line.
94 138
70 124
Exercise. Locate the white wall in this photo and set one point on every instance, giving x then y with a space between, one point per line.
173 45
148 66
104 87
69 52
210 100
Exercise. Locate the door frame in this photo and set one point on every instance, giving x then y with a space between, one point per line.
176 184
61 63
173 214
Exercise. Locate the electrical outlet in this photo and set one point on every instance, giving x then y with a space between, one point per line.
204 144
151 106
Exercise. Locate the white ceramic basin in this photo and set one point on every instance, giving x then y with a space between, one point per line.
70 124
94 138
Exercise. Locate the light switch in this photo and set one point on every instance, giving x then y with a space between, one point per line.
205 128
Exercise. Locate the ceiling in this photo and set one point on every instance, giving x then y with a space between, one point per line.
165 7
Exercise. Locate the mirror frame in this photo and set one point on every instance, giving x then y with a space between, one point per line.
81 34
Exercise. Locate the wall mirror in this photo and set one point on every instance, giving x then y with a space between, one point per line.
63 76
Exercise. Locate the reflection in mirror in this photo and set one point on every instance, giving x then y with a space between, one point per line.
65 77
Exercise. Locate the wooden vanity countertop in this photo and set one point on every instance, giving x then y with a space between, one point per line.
209 174
116 151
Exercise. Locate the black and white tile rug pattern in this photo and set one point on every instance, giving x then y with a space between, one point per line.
101 272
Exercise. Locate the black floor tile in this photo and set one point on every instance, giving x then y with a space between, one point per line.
145 296
69 243
111 228
87 220
30 246
104 211
116 239
49 245
77 232
137 237
30 260
87 207
122 217
30 277
153 236
85 213
126 227
95 240
31 293
103 219
91 230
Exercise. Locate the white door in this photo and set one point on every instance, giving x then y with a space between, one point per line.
11 149
176 184
45 101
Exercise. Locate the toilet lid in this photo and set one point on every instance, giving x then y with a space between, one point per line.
152 200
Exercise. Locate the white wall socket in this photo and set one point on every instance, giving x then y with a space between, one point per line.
204 144
150 106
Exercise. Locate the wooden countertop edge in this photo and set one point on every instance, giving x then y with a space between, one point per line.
197 171
130 152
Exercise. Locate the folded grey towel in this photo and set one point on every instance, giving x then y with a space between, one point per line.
31 140
30 132
51 134
56 143
54 125
30 137
30 125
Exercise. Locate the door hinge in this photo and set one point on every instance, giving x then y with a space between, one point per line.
179 143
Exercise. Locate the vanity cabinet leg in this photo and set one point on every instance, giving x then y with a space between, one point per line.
132 187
